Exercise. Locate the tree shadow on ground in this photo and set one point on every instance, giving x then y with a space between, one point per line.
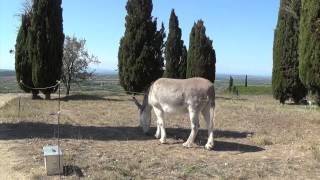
29 130
230 98
81 97
87 97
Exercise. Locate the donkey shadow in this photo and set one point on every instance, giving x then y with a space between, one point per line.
30 130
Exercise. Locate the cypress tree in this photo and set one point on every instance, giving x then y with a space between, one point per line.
175 51
140 55
285 75
309 46
201 56
23 65
182 69
230 83
246 81
46 44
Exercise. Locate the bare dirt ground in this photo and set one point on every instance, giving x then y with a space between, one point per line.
5 98
6 170
256 138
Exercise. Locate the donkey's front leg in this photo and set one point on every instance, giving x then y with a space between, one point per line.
160 125
158 132
194 118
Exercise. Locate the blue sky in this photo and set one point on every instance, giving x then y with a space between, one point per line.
241 30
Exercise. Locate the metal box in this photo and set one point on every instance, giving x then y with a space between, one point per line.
52 157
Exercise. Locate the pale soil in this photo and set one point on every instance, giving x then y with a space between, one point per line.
7 157
256 138
5 98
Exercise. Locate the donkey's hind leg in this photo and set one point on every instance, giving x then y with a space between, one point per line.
209 121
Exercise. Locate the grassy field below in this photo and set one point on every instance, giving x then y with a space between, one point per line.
255 90
255 138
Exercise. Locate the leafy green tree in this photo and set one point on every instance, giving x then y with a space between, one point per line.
201 55
140 55
175 51
309 45
285 75
45 42
23 65
76 61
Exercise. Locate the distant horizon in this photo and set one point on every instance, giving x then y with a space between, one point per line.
242 31
110 71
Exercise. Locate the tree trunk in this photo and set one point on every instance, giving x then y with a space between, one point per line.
68 90
35 95
48 96
68 86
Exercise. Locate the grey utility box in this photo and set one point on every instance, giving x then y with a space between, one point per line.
52 157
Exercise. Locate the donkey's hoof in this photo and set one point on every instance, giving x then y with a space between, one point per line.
157 136
162 141
187 145
209 146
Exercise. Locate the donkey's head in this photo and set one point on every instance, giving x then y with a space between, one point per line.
144 113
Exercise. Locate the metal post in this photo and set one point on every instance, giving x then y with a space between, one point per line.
59 108
19 108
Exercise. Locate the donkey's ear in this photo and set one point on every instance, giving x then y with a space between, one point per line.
137 103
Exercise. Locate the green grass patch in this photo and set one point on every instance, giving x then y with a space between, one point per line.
253 90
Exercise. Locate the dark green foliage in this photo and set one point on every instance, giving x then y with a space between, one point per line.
45 43
230 84
175 51
309 46
182 69
23 65
285 76
140 56
201 55
246 81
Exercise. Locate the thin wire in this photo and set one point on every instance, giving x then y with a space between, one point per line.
43 88
54 86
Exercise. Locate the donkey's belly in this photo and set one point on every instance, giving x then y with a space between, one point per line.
182 109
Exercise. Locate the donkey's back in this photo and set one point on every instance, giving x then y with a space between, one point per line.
179 95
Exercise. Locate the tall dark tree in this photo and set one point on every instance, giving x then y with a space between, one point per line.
309 46
230 84
175 51
246 81
140 56
285 75
201 55
46 43
182 69
23 65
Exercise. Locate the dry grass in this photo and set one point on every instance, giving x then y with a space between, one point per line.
256 138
